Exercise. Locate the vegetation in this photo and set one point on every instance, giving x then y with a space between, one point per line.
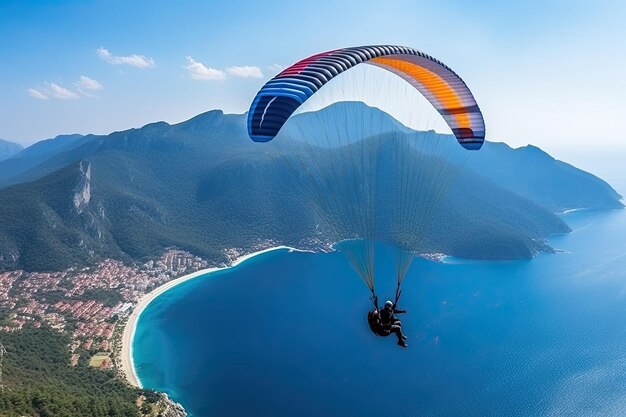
203 186
38 380
108 297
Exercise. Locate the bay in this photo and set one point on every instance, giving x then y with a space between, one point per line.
285 334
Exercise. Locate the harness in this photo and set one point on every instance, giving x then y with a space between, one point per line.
376 326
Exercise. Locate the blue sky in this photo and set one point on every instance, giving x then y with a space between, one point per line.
548 73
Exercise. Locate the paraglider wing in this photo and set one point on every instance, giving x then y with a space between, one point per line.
445 90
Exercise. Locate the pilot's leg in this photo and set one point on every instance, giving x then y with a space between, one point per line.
398 331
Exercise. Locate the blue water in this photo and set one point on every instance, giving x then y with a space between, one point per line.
284 334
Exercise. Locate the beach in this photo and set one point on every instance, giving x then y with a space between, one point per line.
127 365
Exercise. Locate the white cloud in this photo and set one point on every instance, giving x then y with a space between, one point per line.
36 94
84 86
87 83
275 67
59 92
245 71
198 71
134 60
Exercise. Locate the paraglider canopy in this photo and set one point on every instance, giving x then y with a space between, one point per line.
446 91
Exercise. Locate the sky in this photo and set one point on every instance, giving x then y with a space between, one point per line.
543 72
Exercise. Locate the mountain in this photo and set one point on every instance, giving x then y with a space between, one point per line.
132 207
8 149
534 174
155 137
203 186
49 147
527 171
30 157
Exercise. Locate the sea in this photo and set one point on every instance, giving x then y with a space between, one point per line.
284 334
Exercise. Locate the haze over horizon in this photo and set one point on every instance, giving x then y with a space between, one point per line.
542 73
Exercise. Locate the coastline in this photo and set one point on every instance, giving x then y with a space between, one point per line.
127 363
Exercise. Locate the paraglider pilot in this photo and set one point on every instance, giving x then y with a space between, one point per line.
385 322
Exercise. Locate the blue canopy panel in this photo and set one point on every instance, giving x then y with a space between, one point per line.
264 125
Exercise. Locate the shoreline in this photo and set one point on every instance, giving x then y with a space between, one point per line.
126 357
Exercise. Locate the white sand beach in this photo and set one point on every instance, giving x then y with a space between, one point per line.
129 330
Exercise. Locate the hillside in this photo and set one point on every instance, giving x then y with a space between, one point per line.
8 149
30 157
527 171
534 174
42 383
203 186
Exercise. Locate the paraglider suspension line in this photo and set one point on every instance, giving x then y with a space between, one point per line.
398 293
374 298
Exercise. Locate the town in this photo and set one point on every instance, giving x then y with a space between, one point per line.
90 304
